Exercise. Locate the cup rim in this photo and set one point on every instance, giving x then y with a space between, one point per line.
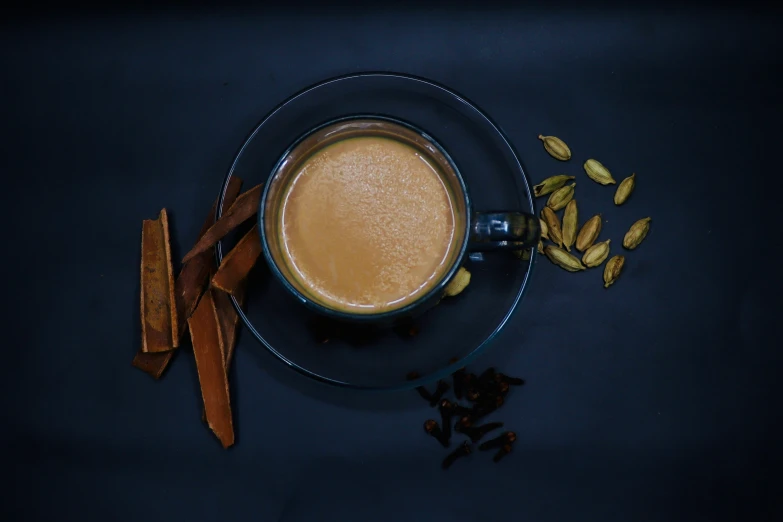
389 314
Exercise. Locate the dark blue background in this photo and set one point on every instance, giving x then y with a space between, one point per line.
654 400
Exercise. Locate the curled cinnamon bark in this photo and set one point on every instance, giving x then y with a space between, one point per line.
243 208
189 286
159 326
210 353
238 262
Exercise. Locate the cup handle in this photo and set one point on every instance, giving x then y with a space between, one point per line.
503 231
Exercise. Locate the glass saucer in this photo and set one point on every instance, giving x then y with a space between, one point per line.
446 337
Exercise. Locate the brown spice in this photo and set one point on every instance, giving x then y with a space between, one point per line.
463 451
159 327
442 388
505 438
245 206
189 287
502 452
229 319
210 353
238 262
192 280
153 364
431 428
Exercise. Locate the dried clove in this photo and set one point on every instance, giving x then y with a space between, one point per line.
446 411
492 385
427 396
442 388
484 408
431 428
477 432
487 392
486 378
470 381
466 421
462 451
459 409
505 450
515 381
505 438
455 409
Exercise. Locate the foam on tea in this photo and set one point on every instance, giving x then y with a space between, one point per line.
367 225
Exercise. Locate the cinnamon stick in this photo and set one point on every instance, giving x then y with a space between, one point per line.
192 280
152 363
159 326
209 350
189 287
243 208
229 319
238 262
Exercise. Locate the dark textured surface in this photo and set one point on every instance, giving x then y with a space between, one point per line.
654 400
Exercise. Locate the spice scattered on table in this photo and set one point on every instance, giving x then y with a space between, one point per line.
596 254
169 306
564 236
589 233
442 388
597 172
556 147
553 226
570 224
613 269
560 198
431 428
624 189
505 438
159 325
563 259
463 451
637 233
551 184
487 392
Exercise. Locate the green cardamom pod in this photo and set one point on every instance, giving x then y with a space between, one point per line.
570 218
524 254
563 259
540 247
550 185
596 254
553 224
458 284
556 147
598 172
589 233
636 233
544 229
612 270
561 197
624 189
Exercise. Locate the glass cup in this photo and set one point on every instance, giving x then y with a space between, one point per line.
474 231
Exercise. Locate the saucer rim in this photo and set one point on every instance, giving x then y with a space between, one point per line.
445 371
